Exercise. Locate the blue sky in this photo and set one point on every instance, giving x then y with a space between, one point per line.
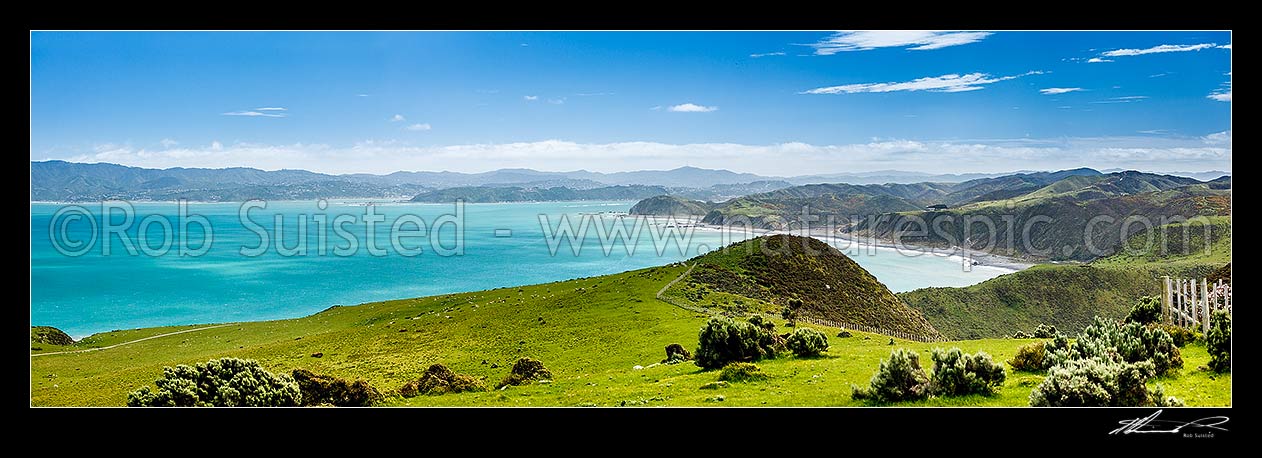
775 103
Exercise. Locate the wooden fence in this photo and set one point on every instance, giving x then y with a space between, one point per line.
1188 302
661 295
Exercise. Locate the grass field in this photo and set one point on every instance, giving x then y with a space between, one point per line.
589 332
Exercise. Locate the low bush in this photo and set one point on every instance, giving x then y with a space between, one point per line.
224 382
526 370
807 342
1022 335
1147 310
328 390
741 372
1131 342
438 379
1218 341
676 353
1095 382
1045 331
724 340
899 378
956 373
1181 335
1030 358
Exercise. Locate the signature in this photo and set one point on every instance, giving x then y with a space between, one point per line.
1151 424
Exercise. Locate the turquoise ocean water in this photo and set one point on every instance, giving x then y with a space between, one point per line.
94 292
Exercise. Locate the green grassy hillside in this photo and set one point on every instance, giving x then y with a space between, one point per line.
669 205
589 332
1068 295
764 273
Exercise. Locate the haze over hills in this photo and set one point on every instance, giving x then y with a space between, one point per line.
69 181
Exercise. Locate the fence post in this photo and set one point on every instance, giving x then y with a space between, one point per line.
1205 306
1165 298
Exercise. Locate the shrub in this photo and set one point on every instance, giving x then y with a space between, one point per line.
1133 342
1022 335
1181 335
1094 382
1030 358
844 333
329 390
1218 341
724 340
1045 331
807 342
438 379
224 382
956 373
1147 310
1159 398
899 378
526 370
741 372
676 353
758 320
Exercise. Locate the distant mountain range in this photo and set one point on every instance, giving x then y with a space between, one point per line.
69 181
1070 198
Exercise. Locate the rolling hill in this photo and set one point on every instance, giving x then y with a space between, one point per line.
770 273
1067 296
590 332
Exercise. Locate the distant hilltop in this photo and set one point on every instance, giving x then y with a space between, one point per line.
71 181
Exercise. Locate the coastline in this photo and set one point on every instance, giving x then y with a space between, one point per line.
849 244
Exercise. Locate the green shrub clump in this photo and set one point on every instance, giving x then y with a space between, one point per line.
1022 335
1181 335
741 372
956 373
224 382
1218 341
526 370
327 390
1098 382
1030 358
438 379
1132 342
807 342
1147 310
723 340
1045 331
900 378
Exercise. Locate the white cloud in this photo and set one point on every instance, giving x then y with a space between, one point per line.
255 113
1218 138
419 127
945 83
766 54
592 94
271 109
361 95
1222 94
530 98
1059 90
1123 99
167 143
916 40
557 101
781 159
691 108
1097 60
1226 46
1156 50
397 118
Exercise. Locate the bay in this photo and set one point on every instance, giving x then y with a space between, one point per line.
503 245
